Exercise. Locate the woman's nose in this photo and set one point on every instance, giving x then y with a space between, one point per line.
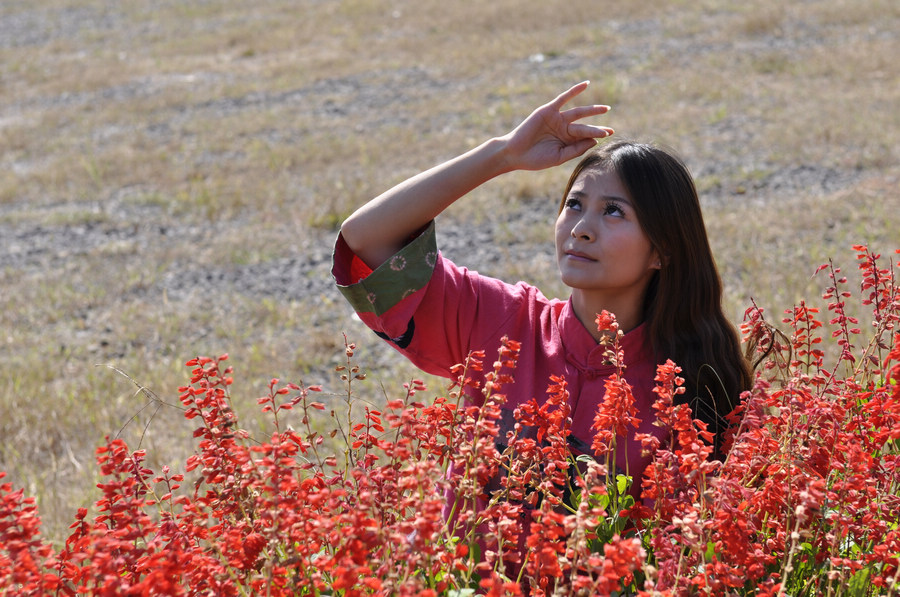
582 230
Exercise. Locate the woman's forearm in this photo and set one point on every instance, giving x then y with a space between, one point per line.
378 229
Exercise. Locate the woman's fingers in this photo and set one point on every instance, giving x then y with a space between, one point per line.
573 150
573 114
589 130
563 98
552 135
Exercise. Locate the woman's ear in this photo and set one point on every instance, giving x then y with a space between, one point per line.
659 260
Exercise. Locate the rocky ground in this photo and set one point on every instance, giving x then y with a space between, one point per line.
38 236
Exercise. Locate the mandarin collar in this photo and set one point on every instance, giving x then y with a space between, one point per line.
583 351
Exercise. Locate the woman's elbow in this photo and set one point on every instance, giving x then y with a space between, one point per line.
352 232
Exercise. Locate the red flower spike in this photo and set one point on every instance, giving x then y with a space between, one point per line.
606 322
812 471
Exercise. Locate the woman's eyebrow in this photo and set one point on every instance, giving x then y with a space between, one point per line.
616 198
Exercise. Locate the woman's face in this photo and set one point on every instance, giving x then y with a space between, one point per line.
602 251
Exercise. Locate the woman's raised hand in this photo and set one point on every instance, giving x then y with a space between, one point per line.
551 135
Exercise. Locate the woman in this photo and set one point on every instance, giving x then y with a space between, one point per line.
630 240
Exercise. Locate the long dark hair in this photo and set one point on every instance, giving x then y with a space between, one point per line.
683 304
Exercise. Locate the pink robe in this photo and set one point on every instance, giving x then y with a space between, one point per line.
435 313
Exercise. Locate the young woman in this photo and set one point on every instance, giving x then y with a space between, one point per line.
630 239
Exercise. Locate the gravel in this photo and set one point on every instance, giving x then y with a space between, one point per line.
30 243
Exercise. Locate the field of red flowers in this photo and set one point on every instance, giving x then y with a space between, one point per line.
807 502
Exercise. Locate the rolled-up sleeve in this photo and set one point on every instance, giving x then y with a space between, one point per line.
377 291
429 309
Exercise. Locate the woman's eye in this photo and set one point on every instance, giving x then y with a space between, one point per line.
613 209
572 203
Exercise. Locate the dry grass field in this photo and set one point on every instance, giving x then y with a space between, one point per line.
172 175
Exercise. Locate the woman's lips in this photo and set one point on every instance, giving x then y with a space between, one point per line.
578 256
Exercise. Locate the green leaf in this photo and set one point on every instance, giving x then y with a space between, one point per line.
602 500
623 482
859 582
475 551
575 499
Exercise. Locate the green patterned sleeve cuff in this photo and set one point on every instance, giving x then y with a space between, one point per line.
402 275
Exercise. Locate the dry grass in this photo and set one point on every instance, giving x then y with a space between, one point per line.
155 153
